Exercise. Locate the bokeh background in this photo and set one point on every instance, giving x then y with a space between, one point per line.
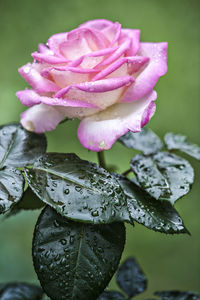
170 262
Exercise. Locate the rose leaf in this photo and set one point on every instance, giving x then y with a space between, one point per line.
146 141
11 188
177 295
154 214
20 291
164 176
19 147
111 295
75 261
78 189
131 278
180 142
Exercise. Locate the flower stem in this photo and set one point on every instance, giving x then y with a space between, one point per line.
101 159
125 173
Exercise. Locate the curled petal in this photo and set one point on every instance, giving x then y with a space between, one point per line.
113 33
94 38
103 93
98 24
55 40
119 52
46 71
99 86
68 78
31 98
31 73
44 49
157 52
91 59
134 64
41 118
49 59
75 48
100 131
134 35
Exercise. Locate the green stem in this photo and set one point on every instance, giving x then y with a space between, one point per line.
101 159
125 173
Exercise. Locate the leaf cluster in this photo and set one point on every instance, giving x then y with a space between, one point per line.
80 234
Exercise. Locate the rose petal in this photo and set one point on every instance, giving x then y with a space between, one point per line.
119 52
31 98
99 86
113 32
31 73
44 49
74 49
94 38
50 59
134 35
91 59
55 40
41 118
102 92
67 78
98 24
100 131
133 65
157 52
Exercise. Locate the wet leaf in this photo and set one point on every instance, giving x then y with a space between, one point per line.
19 147
11 188
29 201
177 295
181 142
78 189
164 176
20 291
131 278
154 214
75 261
146 141
111 295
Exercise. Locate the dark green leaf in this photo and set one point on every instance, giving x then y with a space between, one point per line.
154 214
75 261
29 201
130 278
20 291
181 142
19 147
78 189
164 176
146 141
11 188
177 295
111 295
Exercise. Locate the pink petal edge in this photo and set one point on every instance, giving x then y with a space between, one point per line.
100 131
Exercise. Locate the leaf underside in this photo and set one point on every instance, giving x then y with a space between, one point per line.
180 142
146 141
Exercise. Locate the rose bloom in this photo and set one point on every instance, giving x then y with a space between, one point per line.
99 73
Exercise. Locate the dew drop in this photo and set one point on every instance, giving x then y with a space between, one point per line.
95 213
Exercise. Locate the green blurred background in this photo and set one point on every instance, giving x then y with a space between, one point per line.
170 262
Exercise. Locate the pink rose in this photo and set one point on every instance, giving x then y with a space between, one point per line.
99 73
